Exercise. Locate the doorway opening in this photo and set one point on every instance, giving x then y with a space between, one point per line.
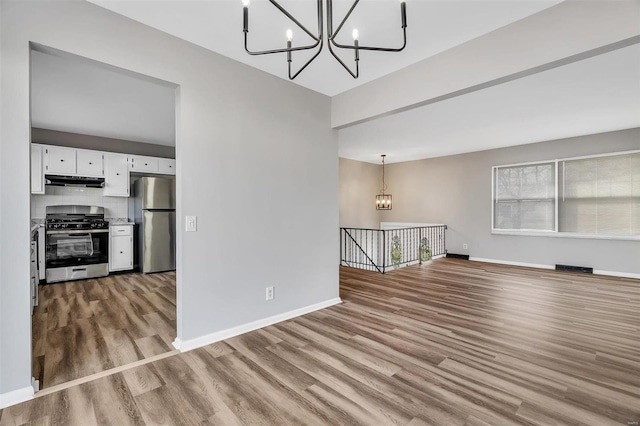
101 297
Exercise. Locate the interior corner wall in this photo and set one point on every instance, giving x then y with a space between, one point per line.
359 184
256 162
1 239
456 190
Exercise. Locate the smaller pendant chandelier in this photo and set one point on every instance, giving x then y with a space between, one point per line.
383 201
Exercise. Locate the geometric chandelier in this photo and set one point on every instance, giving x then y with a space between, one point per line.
318 38
383 201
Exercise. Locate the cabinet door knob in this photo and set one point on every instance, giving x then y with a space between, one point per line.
146 164
120 252
62 161
117 174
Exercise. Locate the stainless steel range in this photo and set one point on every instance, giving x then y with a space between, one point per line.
77 243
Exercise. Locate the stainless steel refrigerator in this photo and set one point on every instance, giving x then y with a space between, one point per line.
153 209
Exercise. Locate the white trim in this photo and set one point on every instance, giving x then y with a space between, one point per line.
16 397
608 154
528 163
557 161
616 274
394 225
542 266
565 235
511 263
187 345
556 202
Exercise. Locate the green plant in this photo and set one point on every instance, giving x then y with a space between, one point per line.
396 251
425 250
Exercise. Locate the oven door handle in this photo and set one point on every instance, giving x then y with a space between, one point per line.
77 231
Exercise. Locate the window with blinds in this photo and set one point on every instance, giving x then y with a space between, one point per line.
600 195
524 197
597 195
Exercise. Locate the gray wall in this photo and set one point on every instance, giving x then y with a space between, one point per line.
359 184
456 190
256 162
75 140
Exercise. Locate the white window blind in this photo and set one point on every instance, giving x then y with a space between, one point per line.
524 197
600 195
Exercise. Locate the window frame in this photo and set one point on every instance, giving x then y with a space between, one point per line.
554 233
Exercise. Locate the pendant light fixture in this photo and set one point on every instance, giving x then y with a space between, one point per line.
318 38
383 201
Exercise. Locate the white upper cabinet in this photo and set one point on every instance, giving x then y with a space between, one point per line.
116 175
167 165
138 163
89 163
59 161
37 175
114 167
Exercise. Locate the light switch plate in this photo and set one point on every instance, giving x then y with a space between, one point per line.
192 224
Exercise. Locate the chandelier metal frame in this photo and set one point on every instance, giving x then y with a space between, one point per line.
319 38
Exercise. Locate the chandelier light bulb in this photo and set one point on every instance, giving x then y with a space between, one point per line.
319 38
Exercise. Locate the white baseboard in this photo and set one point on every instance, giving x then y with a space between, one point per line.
188 345
541 266
16 396
508 262
617 274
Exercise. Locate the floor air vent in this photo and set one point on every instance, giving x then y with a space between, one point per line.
570 268
458 256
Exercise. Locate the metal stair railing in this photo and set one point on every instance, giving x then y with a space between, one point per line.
378 250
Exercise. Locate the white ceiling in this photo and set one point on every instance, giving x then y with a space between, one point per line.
76 95
591 96
585 97
433 26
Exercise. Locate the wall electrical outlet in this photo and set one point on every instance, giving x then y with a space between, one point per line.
192 223
465 246
270 293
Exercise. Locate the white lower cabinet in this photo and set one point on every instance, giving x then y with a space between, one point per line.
120 248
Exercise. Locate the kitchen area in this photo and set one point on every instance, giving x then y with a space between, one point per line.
103 236
81 223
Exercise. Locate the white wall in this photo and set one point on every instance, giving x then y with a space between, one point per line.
257 163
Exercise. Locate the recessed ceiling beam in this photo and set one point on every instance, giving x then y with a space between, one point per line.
568 32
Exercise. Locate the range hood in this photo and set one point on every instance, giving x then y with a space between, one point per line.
78 181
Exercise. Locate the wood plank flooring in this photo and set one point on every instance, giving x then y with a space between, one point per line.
85 327
451 342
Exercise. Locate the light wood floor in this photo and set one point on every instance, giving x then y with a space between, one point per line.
449 343
88 326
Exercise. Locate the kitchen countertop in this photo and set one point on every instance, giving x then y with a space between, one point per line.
35 224
120 221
